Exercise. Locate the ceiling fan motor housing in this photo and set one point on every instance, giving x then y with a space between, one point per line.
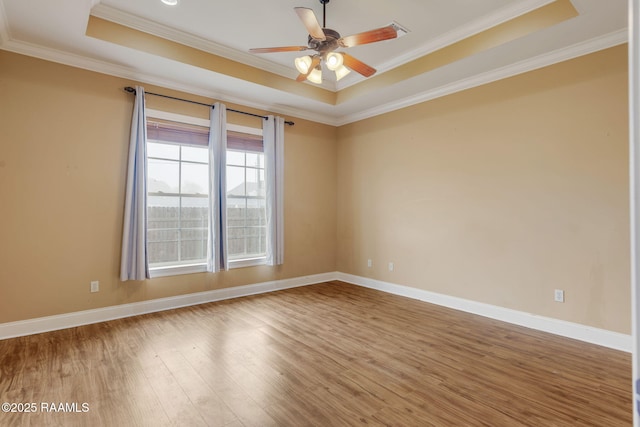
328 45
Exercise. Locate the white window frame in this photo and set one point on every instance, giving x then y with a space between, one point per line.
201 267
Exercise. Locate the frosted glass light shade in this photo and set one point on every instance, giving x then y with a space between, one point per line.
302 64
334 61
315 76
341 72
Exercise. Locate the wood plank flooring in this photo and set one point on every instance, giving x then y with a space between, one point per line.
330 354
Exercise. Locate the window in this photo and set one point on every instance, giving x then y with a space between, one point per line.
178 195
246 197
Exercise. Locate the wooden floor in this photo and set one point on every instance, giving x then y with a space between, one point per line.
325 355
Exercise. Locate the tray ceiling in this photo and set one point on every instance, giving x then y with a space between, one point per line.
201 47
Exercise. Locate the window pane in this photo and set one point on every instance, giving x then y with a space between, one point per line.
235 158
253 217
196 202
246 213
163 229
162 246
235 232
254 188
235 181
193 244
171 201
162 218
195 223
163 176
195 178
256 241
194 217
246 233
195 154
164 151
255 213
255 160
236 213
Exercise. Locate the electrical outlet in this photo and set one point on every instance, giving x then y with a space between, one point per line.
558 295
95 286
369 263
390 266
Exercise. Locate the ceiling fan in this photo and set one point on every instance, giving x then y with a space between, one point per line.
325 41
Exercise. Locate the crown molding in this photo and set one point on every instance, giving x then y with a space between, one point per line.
78 61
590 46
132 21
460 33
475 27
482 24
554 57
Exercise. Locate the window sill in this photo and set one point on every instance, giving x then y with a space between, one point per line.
248 262
177 270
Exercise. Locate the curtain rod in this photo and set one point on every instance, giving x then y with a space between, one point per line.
132 90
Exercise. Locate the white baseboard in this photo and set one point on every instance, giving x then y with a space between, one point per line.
577 331
79 318
563 328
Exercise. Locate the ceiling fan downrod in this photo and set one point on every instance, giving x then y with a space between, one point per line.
324 12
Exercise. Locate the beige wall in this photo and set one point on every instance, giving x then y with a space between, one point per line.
63 151
499 194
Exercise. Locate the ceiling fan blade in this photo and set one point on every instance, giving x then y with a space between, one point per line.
357 65
310 21
279 49
314 63
379 34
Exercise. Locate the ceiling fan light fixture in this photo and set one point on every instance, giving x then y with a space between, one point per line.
334 61
302 64
324 41
170 2
315 76
341 72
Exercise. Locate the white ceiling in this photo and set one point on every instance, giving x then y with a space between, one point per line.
55 30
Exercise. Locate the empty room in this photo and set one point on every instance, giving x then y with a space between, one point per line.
317 213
